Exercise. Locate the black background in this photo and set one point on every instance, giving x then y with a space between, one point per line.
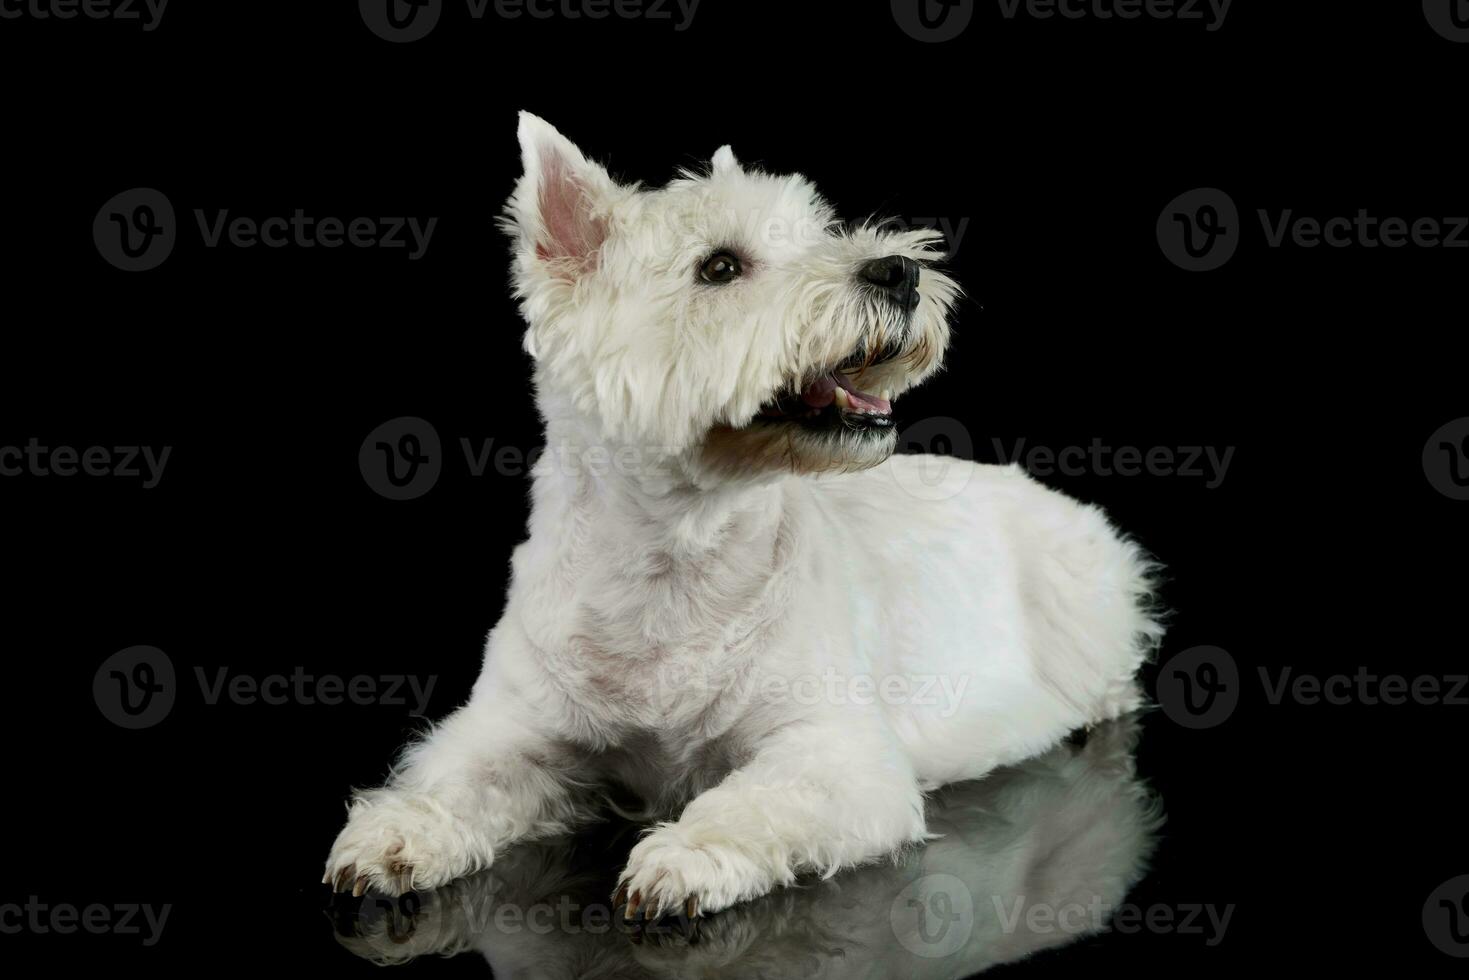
262 549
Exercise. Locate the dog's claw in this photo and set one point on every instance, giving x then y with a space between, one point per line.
633 905
343 876
360 888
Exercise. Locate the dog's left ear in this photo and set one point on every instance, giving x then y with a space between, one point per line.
559 209
724 160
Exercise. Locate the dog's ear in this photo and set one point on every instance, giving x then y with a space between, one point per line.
559 210
724 160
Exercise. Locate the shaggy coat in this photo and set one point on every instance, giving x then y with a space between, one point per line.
734 601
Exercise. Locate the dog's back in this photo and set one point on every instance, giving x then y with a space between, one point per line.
998 588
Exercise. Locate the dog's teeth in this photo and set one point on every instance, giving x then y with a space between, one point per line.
841 396
887 394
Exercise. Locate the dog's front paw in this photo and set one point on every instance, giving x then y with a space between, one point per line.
673 872
396 842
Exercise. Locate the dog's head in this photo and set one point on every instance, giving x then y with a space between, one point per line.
727 320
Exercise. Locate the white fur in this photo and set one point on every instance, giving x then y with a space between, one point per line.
685 574
1068 833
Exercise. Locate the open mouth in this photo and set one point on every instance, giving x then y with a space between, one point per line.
832 400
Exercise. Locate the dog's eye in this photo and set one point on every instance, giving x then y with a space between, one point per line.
721 267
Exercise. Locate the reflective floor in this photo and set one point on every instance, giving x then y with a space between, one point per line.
1031 858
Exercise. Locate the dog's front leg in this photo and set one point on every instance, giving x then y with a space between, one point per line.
480 781
815 797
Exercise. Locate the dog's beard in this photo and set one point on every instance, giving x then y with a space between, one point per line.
833 418
759 450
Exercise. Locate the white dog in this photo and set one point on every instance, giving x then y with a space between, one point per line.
732 602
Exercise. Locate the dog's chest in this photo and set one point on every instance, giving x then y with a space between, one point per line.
673 655
662 646
674 695
652 775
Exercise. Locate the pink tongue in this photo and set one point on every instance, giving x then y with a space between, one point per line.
823 393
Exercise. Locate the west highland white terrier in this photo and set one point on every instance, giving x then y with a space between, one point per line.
736 605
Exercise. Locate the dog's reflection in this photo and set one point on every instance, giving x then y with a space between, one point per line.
1030 857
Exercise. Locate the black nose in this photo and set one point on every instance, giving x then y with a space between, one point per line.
897 276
